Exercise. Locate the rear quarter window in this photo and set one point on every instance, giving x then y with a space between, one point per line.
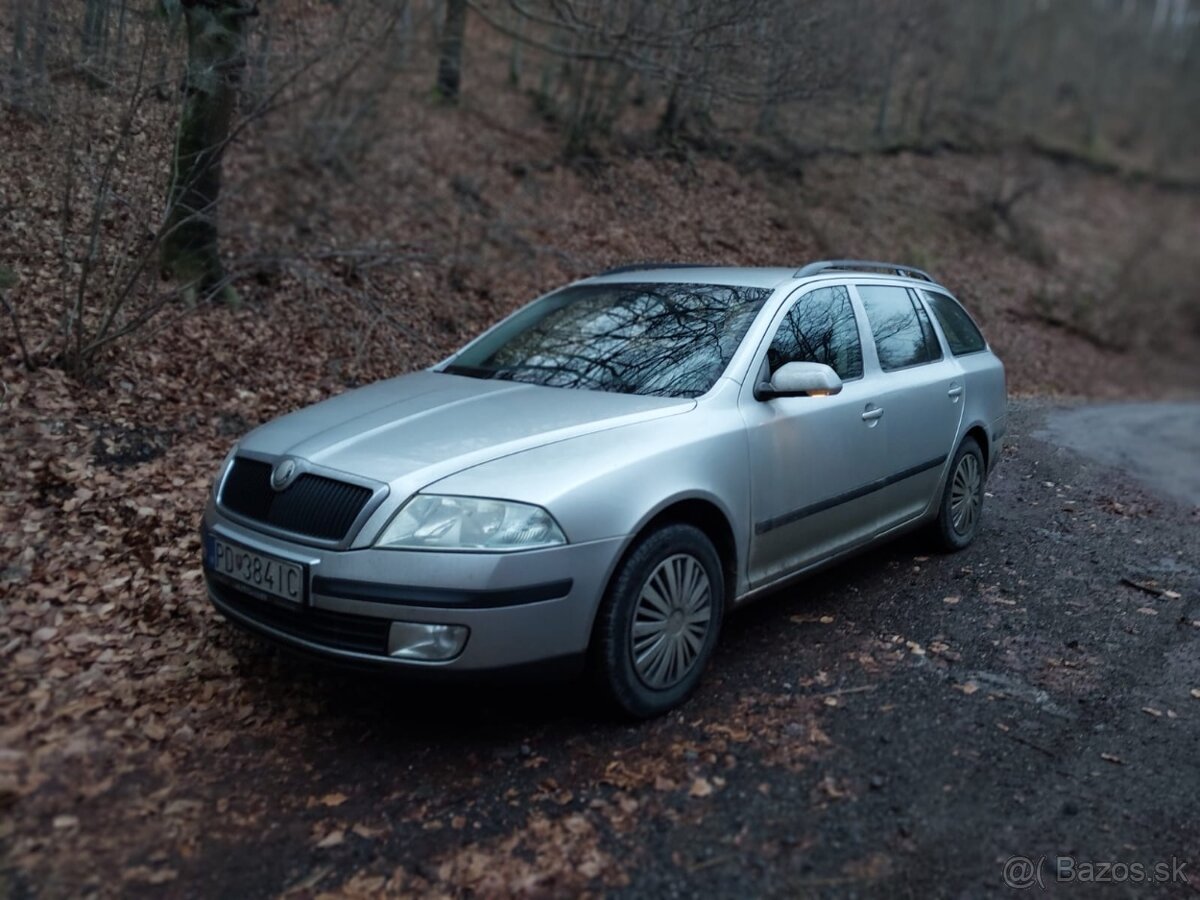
961 334
903 334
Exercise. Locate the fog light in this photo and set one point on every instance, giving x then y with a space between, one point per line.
432 643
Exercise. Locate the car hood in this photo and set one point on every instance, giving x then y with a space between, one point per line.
415 429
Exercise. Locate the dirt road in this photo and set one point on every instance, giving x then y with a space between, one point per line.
902 725
1157 443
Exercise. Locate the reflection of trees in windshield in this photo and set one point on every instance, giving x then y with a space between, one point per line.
668 339
820 327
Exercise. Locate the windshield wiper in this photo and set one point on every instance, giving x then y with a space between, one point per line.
502 373
470 371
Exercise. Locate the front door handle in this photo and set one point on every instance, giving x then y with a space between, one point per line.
955 391
872 414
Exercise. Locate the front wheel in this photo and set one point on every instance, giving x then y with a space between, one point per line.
659 621
962 500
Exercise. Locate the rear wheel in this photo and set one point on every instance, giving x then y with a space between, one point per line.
659 621
962 500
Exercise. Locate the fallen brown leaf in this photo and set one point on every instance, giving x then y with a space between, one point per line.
146 875
333 839
830 788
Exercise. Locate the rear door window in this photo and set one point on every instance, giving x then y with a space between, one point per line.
961 334
903 334
820 327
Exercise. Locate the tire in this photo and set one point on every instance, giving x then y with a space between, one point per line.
961 508
653 672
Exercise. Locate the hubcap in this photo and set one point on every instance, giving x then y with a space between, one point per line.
671 621
966 494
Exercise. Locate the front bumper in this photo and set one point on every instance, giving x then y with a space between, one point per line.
521 609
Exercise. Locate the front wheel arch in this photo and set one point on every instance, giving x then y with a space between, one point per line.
611 647
689 509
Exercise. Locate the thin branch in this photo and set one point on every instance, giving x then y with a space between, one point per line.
17 333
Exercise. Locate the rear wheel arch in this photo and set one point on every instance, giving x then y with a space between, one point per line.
979 433
944 527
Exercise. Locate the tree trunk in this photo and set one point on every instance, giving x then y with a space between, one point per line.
514 56
119 50
16 69
768 111
216 57
260 63
885 97
41 40
404 40
95 40
677 112
449 72
93 14
164 90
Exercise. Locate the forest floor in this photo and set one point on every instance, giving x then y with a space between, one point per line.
901 726
1020 698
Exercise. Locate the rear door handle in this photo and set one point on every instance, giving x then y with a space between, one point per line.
955 391
872 414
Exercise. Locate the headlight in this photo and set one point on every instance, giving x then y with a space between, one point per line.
438 522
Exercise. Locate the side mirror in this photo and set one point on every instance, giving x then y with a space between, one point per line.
800 379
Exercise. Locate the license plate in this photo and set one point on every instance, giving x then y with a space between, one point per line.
265 574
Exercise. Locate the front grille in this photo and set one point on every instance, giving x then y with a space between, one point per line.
311 505
337 630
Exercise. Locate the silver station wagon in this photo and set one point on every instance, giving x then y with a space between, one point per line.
597 480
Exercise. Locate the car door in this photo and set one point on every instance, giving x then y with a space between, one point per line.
811 456
919 392
982 374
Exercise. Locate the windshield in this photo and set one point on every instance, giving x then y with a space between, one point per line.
671 340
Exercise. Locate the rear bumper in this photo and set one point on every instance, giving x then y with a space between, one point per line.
520 609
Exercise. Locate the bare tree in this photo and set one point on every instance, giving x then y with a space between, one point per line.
17 68
450 46
216 58
95 35
41 43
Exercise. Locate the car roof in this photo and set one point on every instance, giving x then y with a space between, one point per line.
763 277
741 276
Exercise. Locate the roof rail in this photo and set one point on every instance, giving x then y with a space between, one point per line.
863 265
642 266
